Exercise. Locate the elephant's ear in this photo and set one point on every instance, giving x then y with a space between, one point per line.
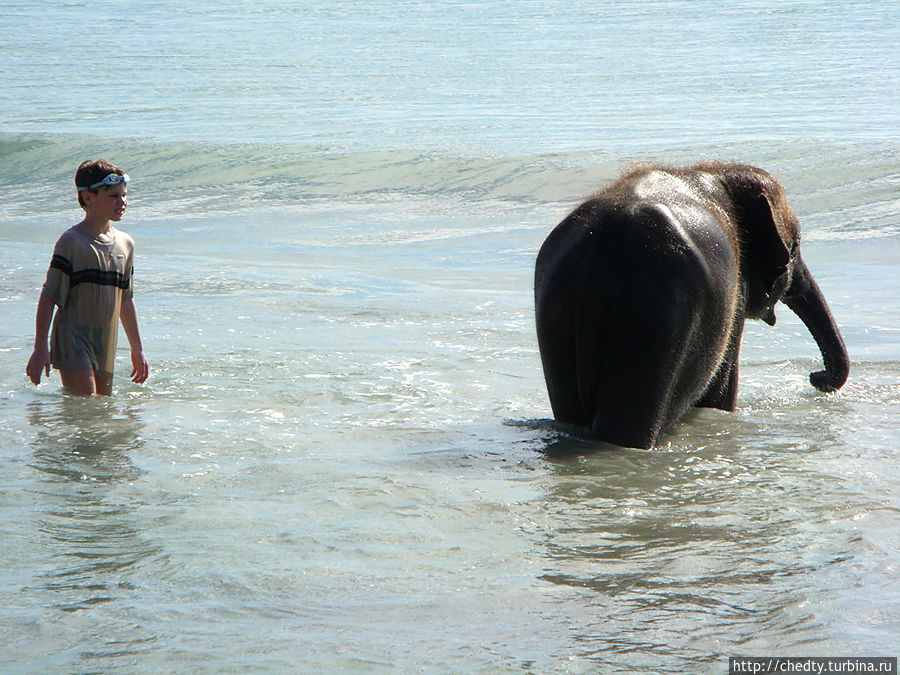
769 235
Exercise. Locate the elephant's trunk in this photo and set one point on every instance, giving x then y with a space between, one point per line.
806 300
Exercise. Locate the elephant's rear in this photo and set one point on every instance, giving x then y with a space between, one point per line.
619 297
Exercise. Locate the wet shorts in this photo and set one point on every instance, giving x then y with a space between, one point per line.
78 348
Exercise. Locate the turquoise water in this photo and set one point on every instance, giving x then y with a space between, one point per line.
530 76
342 460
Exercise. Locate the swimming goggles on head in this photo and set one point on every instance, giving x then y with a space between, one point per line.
110 179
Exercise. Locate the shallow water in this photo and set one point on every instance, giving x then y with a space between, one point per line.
342 461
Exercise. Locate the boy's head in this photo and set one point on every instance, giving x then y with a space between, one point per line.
92 175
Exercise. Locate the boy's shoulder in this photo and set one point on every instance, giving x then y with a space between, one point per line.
74 235
78 235
122 233
123 237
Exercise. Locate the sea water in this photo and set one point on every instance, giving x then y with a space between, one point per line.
343 459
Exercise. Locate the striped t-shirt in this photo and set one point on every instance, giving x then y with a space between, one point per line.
88 279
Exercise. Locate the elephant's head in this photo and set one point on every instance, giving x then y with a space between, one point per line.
773 269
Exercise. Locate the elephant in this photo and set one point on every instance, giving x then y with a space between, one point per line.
642 291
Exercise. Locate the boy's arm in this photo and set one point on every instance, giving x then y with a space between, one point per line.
40 357
140 367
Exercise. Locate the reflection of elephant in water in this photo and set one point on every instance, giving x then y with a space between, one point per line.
641 295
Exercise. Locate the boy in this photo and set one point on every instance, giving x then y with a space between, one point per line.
90 280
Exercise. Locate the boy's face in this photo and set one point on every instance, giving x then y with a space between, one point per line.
108 202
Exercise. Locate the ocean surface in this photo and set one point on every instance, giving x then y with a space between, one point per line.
343 460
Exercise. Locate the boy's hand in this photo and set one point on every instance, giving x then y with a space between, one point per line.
39 362
140 369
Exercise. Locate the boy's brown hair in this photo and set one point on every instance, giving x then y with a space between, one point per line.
93 171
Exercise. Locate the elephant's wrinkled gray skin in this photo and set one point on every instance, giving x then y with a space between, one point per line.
642 291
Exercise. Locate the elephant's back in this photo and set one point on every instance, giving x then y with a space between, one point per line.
640 265
607 236
626 250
